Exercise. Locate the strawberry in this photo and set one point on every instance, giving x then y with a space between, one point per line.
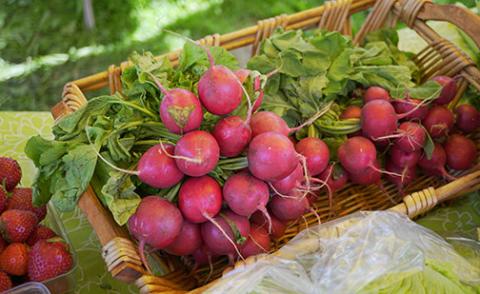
10 173
47 260
41 232
17 225
5 282
21 198
3 199
14 259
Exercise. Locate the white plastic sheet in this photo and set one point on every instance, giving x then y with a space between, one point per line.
348 254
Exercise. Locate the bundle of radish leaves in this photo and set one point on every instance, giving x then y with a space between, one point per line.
207 159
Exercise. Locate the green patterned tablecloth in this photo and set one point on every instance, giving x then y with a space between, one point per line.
460 218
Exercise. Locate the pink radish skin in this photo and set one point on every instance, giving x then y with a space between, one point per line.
378 119
375 93
316 153
357 153
368 176
449 89
232 135
438 121
156 222
200 152
468 118
271 156
335 180
216 241
407 105
351 111
219 90
187 241
403 159
242 74
181 111
409 174
245 194
290 182
259 244
288 208
435 165
278 227
157 169
198 198
413 139
266 121
202 256
461 152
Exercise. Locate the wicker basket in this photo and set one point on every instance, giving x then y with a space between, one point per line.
439 57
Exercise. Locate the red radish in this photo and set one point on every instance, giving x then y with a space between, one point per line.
468 118
461 152
245 194
438 121
202 256
403 159
351 111
408 174
157 169
290 182
378 119
412 137
316 153
197 153
258 242
242 74
436 164
187 241
156 222
232 135
200 199
219 89
288 208
357 153
278 227
180 111
266 121
449 89
370 175
234 226
412 109
271 156
375 93
335 177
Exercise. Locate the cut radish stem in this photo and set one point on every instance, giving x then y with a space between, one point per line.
156 222
198 198
197 153
438 121
436 164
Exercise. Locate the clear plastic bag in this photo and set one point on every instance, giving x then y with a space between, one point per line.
366 252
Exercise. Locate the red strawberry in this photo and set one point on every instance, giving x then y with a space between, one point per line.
3 199
5 282
17 225
40 233
10 172
14 259
48 260
21 198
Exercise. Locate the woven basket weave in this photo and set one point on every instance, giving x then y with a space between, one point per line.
440 57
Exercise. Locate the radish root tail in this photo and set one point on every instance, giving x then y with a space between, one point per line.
210 219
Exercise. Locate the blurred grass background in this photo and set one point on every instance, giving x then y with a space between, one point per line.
44 44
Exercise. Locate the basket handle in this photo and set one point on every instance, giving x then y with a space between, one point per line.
463 18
